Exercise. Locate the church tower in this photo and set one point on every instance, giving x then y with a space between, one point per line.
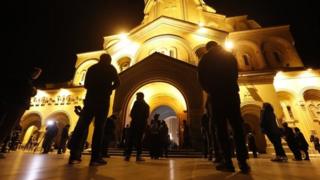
187 10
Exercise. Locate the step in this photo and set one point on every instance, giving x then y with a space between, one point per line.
145 153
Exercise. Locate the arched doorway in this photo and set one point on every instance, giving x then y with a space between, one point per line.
251 116
163 79
312 104
61 120
30 124
170 117
166 100
252 124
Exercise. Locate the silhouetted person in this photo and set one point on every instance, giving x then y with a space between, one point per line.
291 141
63 140
270 128
139 115
218 75
207 148
302 142
315 140
101 79
186 135
51 133
109 134
78 110
17 91
164 138
124 137
155 141
5 144
215 145
252 144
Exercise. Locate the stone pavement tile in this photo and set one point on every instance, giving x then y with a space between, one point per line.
28 166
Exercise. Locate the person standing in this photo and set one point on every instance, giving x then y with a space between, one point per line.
291 141
186 135
109 134
155 141
125 132
63 140
270 128
139 115
213 136
15 97
302 143
207 150
218 75
252 144
315 140
101 79
51 133
164 138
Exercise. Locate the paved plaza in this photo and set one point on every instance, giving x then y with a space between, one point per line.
28 166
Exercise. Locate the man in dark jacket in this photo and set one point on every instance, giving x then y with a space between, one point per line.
218 75
63 140
101 79
51 133
291 141
109 134
269 127
15 97
302 143
139 115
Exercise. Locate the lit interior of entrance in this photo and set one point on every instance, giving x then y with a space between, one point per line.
170 117
165 99
28 134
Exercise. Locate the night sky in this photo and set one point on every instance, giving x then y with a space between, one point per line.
50 33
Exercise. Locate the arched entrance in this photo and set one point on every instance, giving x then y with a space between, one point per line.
61 120
166 100
251 117
312 104
172 120
166 82
30 124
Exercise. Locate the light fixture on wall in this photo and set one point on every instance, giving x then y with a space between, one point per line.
228 45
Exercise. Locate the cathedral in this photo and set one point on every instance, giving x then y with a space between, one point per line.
159 57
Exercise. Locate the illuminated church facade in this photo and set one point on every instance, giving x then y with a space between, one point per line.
160 56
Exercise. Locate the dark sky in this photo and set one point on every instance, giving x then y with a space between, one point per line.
50 33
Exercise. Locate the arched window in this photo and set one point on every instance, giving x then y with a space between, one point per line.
168 51
246 59
277 57
81 71
83 76
124 63
290 112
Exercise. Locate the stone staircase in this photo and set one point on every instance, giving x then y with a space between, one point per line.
180 153
270 150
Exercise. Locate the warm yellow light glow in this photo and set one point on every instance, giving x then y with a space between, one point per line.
28 134
50 122
81 72
64 92
228 45
202 30
201 24
123 36
41 93
158 94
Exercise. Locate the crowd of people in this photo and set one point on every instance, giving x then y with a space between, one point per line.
221 125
